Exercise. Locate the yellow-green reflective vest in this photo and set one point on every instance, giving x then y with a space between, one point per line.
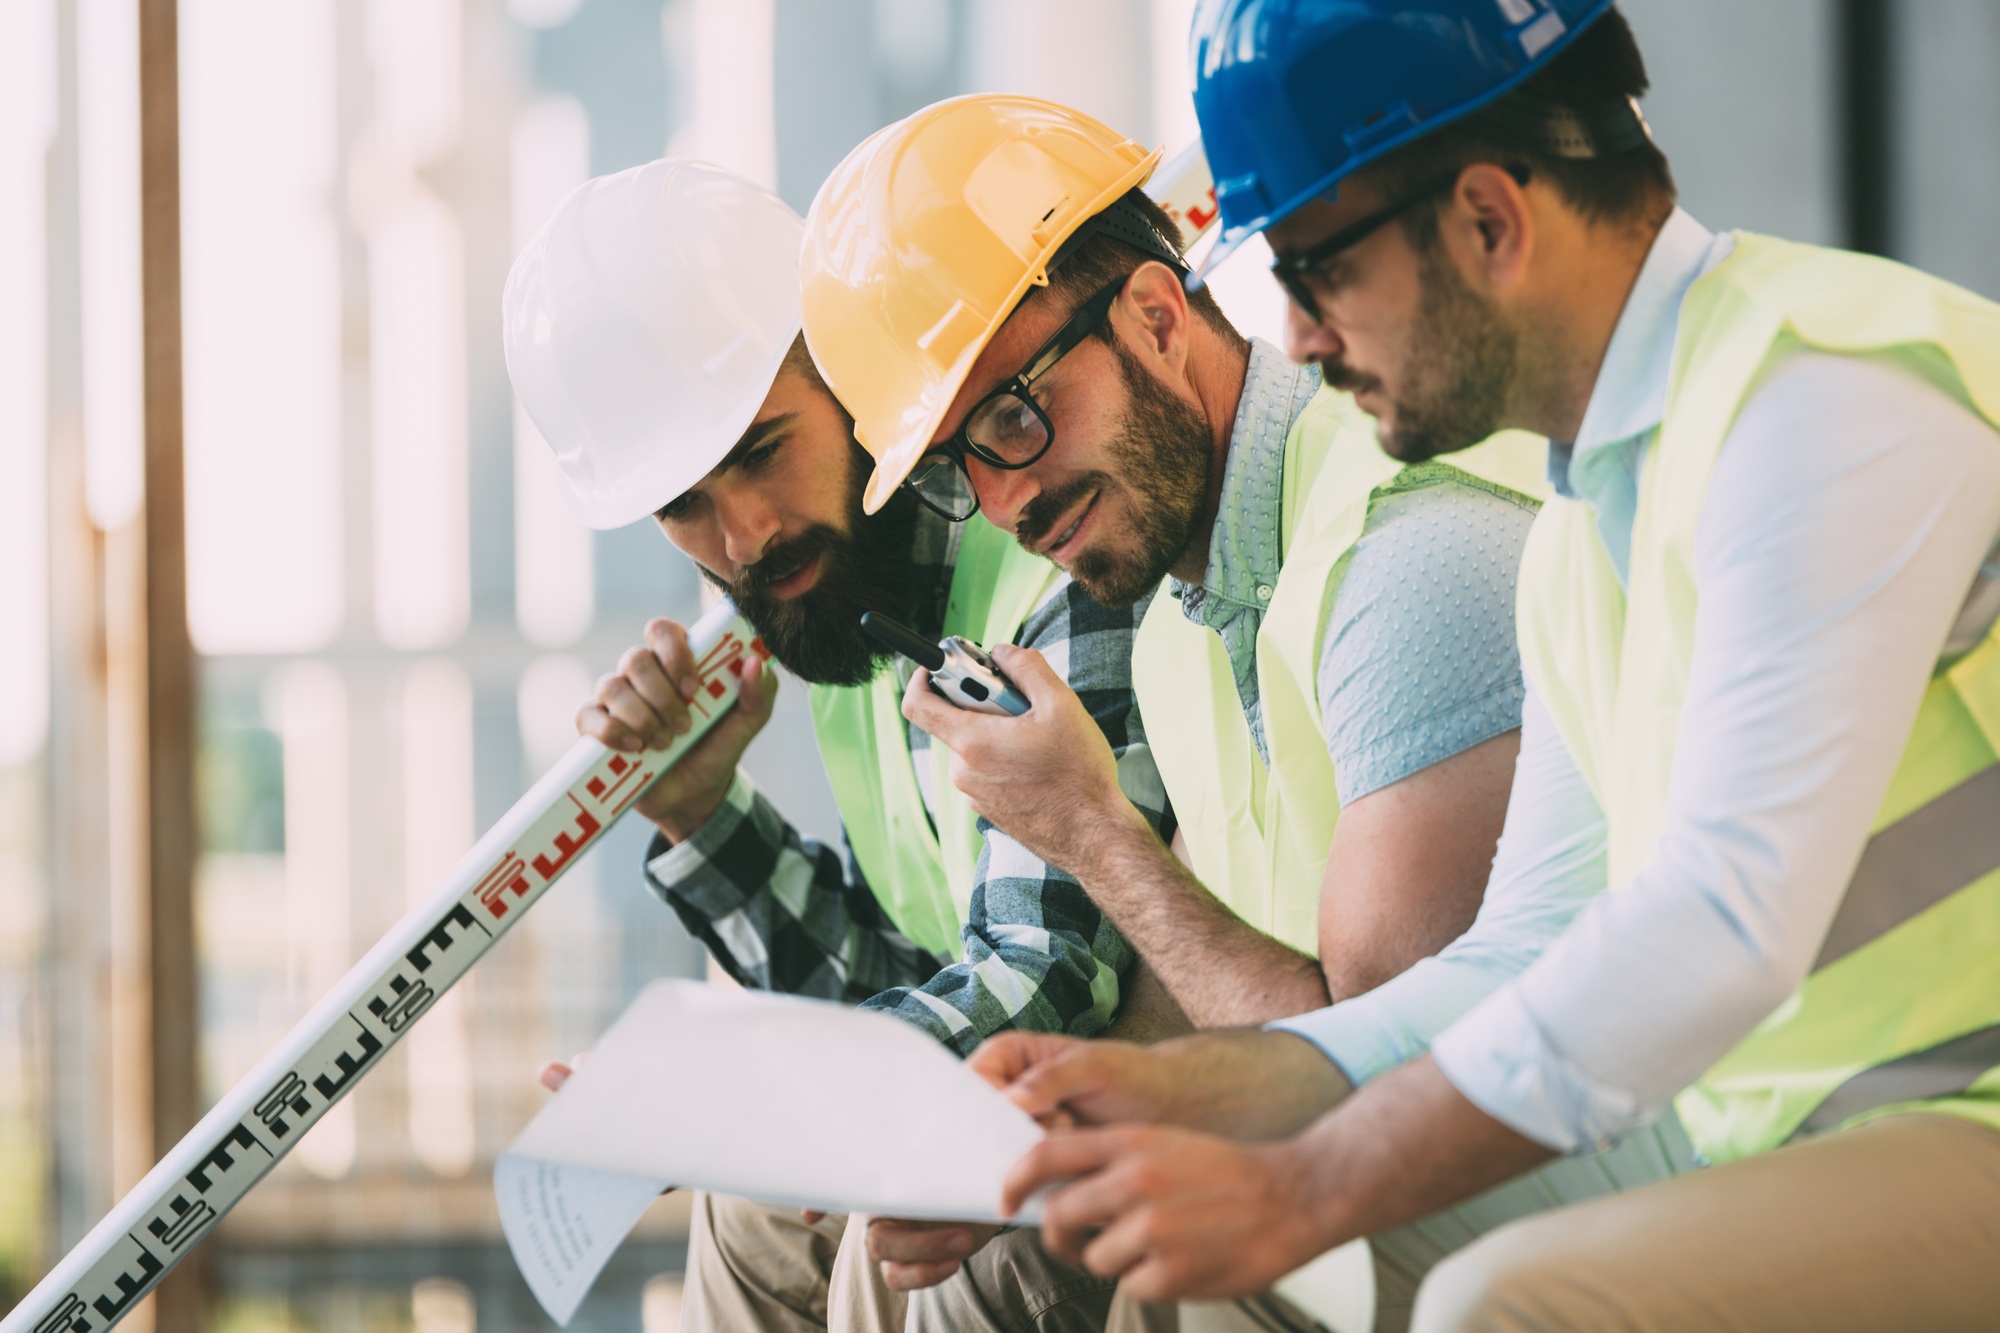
921 869
1258 837
1901 1007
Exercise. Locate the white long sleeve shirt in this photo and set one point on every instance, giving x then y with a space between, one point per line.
1852 507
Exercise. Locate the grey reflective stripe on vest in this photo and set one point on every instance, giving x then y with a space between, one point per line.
1918 862
1945 1070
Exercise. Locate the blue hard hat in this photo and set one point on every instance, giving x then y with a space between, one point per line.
1294 95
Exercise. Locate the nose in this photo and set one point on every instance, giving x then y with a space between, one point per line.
1003 492
1308 340
748 528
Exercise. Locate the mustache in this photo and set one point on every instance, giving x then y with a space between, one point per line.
781 562
1337 374
1040 515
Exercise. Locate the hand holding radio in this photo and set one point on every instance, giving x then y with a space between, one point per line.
1045 777
960 669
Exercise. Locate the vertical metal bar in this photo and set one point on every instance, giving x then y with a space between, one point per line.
1867 128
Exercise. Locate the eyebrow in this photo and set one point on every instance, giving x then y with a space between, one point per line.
759 433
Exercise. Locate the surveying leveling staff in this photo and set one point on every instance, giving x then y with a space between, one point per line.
652 333
1757 625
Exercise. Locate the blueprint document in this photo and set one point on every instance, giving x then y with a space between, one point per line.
776 1098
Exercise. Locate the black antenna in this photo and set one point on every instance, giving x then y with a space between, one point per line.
902 639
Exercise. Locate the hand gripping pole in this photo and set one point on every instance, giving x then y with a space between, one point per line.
343 1036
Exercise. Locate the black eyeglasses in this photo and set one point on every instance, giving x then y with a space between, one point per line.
1007 428
1296 272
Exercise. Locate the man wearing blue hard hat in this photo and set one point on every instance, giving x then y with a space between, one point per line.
1758 626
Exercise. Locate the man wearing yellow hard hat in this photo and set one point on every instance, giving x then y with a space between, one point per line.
652 332
1332 690
1754 821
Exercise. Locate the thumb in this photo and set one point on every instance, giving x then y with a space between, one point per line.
759 688
1031 673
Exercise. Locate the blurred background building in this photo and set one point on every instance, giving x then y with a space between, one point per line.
395 618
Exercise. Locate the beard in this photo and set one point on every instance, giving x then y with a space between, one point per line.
817 636
1161 456
1460 359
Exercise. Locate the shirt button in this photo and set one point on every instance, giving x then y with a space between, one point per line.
1263 592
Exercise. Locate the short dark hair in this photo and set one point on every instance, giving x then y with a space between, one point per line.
1099 260
1598 72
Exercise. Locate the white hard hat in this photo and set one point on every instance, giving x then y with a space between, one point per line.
644 324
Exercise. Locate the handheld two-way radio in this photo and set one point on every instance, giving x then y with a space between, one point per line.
960 669
160 1221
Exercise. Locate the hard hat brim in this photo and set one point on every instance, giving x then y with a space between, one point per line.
895 462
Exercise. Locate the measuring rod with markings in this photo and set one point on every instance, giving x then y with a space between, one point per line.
165 1215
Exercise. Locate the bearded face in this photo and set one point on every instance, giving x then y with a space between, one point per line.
1457 366
866 566
1151 490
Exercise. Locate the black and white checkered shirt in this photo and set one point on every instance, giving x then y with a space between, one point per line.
784 912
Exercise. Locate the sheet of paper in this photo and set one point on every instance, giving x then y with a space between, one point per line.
776 1098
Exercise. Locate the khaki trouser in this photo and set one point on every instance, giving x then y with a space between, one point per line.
1894 1225
1014 1286
760 1268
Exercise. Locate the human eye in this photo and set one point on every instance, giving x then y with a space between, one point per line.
1009 423
675 509
762 456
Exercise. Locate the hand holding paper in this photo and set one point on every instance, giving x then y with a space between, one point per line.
780 1099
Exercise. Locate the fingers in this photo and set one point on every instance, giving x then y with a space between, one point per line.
1005 1056
1068 1074
931 711
552 1075
914 1255
898 1242
812 1217
674 657
1031 673
915 1277
1059 1157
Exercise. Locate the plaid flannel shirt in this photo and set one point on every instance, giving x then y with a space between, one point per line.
784 912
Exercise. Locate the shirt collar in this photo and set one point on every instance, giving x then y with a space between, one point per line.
1247 546
1630 396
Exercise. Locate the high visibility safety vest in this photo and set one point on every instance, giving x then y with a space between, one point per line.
1902 1008
1258 836
921 868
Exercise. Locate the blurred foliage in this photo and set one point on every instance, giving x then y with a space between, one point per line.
240 776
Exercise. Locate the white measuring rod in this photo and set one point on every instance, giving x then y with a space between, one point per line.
344 1035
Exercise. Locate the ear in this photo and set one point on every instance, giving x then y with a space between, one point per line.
1153 317
1490 223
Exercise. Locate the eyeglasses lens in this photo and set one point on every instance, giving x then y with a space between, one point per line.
943 485
1009 429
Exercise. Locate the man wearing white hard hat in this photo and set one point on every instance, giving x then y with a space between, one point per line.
652 332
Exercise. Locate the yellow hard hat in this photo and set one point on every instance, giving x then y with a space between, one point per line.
924 240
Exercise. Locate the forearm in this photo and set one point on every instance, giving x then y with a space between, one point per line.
825 935
1221 971
1248 1085
1038 955
1402 1148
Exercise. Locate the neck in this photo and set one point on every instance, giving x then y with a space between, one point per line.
1216 370
1570 329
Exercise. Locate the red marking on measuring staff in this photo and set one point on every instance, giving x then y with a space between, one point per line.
567 844
492 891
